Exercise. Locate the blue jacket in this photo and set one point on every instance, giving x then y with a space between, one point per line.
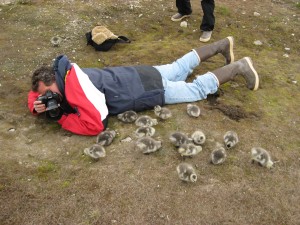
128 88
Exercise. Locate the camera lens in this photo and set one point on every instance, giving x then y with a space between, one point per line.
54 112
53 108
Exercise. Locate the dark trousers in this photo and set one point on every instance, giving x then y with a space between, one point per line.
208 6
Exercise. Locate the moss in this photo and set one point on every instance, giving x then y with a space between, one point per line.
46 169
223 10
66 184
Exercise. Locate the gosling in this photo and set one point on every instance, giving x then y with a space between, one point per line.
96 151
162 112
262 157
178 138
189 150
193 110
186 172
218 156
230 139
145 121
145 131
128 116
147 145
198 137
106 137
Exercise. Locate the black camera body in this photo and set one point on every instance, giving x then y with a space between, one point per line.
52 102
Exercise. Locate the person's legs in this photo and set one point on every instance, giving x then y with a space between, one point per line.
180 91
180 69
208 19
184 7
184 10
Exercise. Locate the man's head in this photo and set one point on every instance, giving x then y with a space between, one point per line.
43 79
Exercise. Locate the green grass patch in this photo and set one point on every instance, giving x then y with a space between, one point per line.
45 169
223 11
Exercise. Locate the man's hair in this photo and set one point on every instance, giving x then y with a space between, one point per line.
45 74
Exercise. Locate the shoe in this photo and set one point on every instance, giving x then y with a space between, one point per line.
206 35
178 17
224 46
242 67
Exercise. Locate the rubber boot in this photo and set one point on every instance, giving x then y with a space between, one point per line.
242 67
224 46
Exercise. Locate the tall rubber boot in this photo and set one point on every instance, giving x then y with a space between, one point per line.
224 46
242 67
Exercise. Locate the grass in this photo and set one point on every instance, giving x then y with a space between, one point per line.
46 169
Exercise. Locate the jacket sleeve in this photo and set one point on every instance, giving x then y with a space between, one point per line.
32 96
88 101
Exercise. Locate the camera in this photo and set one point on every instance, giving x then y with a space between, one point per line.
52 102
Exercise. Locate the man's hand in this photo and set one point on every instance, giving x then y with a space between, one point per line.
39 107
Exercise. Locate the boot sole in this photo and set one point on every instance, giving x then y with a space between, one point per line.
255 73
179 19
230 39
204 39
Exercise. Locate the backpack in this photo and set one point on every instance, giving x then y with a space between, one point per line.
102 39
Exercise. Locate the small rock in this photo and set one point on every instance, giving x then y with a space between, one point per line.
11 130
128 139
285 55
256 14
294 82
287 49
183 24
55 41
257 42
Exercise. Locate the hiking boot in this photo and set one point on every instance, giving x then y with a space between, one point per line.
205 37
224 46
242 67
178 17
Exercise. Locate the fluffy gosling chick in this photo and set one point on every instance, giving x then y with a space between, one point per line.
230 139
198 137
145 121
128 116
178 138
147 145
145 131
106 137
186 172
162 112
189 149
193 110
218 156
261 156
95 151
